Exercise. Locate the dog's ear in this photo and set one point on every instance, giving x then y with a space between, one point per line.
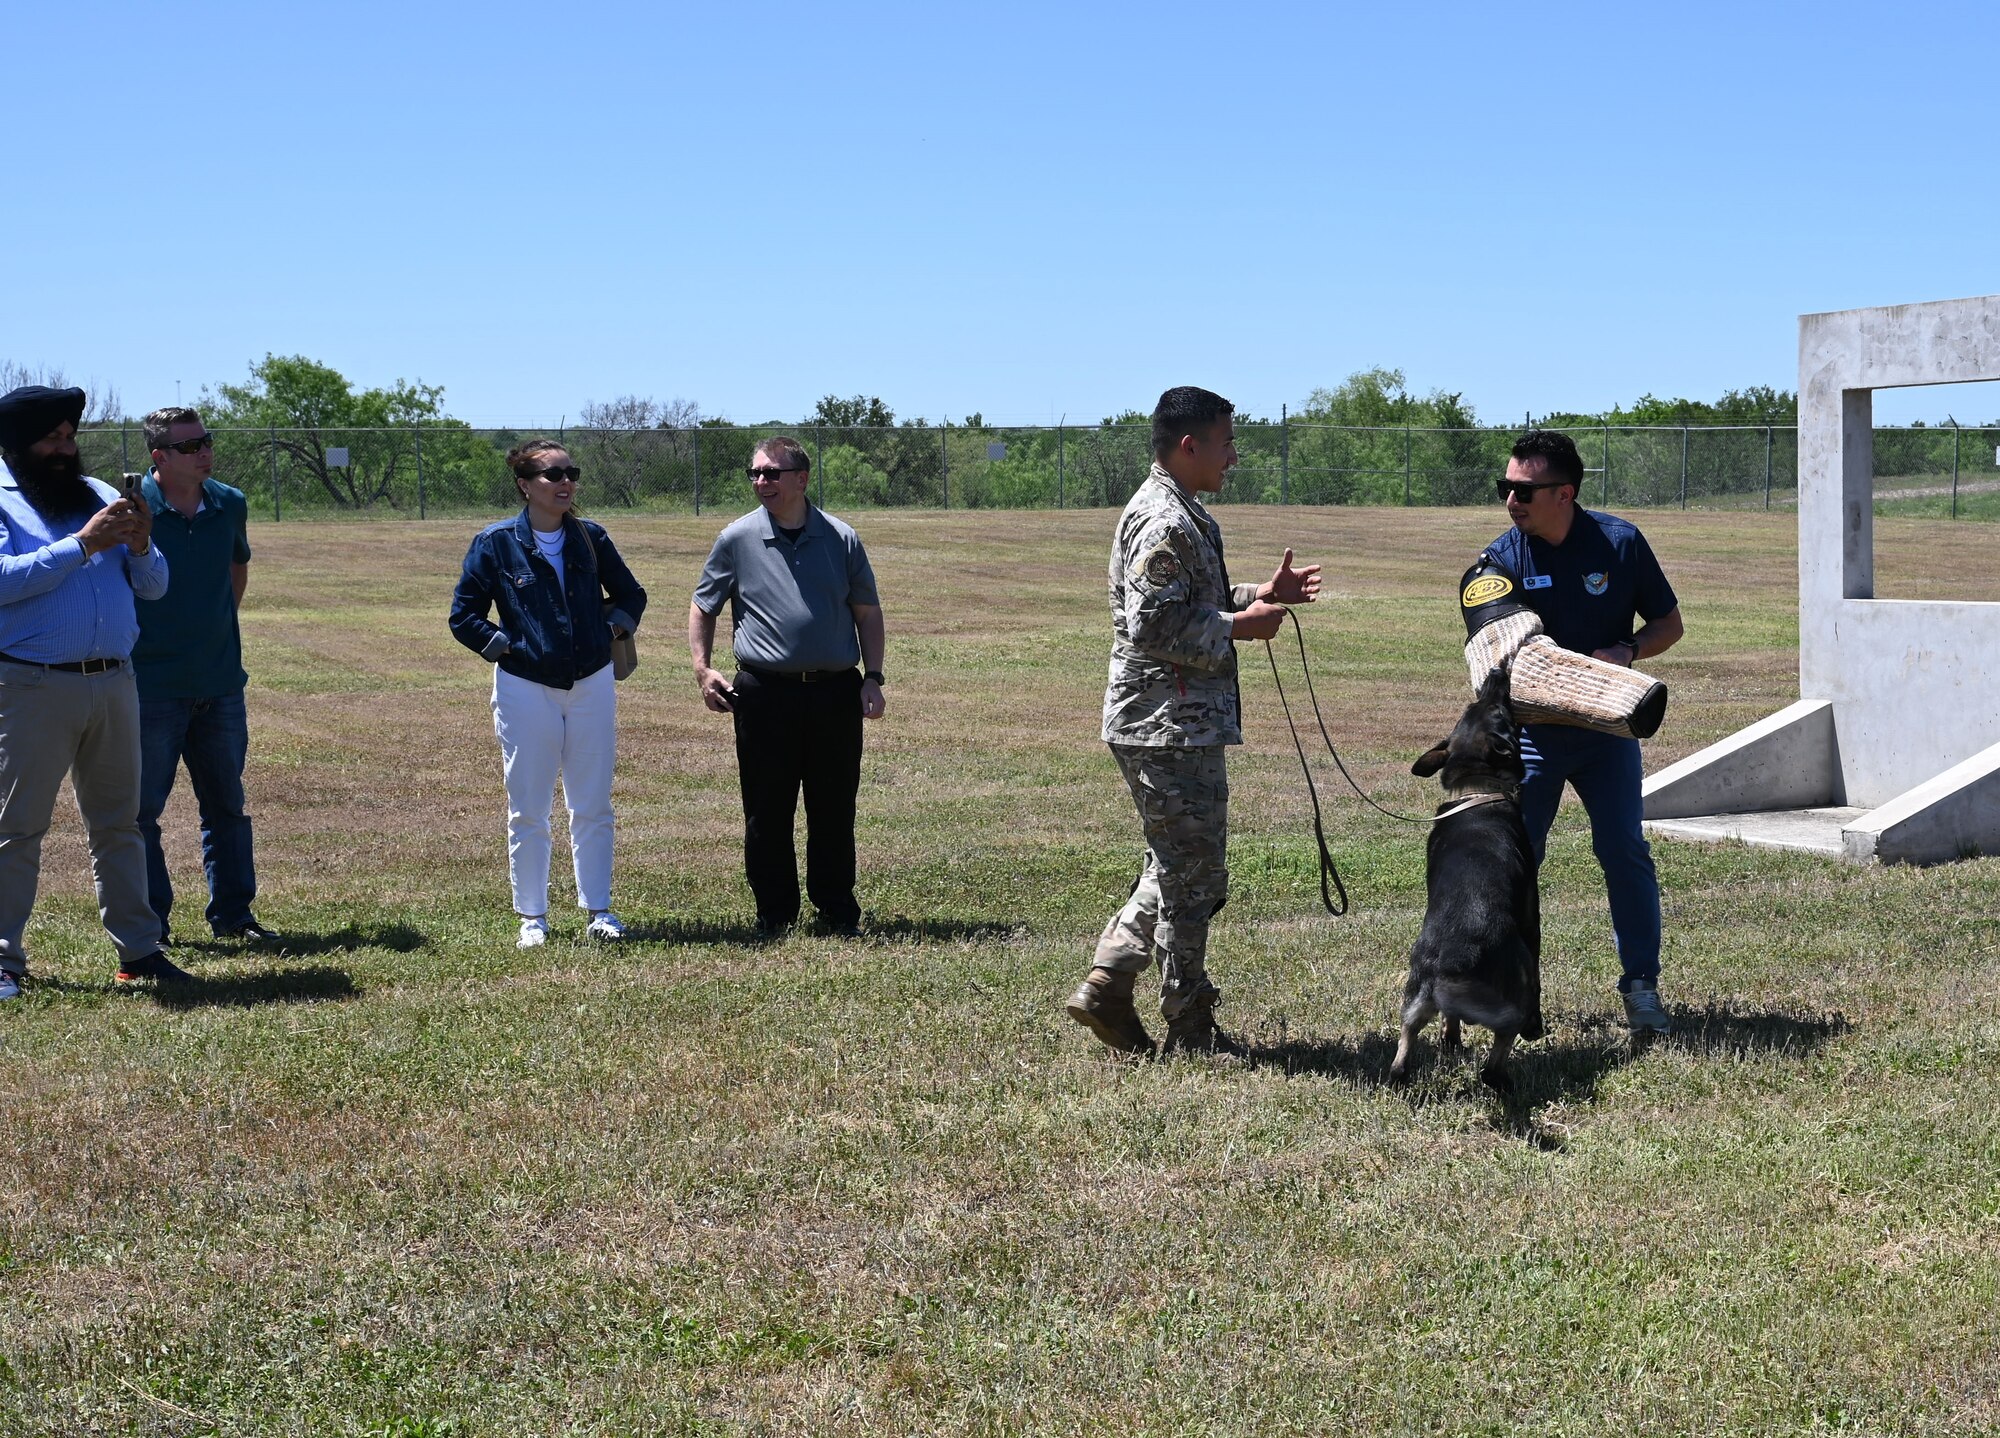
1432 759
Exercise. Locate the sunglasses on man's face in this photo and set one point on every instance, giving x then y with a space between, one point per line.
1521 489
560 473
772 471
193 446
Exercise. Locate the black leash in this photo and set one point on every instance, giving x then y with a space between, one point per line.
1328 870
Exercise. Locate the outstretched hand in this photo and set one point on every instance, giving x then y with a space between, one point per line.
1292 586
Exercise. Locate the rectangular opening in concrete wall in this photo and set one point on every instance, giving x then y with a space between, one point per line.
1937 491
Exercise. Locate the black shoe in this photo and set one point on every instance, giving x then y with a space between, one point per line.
250 932
155 966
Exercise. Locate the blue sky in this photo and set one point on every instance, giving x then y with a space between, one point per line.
1031 211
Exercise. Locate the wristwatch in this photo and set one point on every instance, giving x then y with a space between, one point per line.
876 675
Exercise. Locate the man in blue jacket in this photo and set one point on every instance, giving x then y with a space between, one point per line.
189 663
1588 575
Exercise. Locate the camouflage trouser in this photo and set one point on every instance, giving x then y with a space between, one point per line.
1183 799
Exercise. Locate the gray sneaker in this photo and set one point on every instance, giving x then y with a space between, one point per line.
1644 1013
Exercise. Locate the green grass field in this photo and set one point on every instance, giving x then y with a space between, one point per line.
402 1180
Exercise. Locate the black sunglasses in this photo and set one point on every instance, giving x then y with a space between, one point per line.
1522 489
560 473
193 446
772 471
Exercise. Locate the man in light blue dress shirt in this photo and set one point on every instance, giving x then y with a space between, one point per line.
73 553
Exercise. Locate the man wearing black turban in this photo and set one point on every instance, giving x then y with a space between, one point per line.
73 553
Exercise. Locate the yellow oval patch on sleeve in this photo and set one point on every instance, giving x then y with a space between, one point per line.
1485 588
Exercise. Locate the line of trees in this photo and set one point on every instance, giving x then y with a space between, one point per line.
301 434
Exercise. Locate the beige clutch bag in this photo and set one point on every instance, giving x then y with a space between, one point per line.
624 652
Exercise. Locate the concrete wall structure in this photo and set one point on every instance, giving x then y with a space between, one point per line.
1912 687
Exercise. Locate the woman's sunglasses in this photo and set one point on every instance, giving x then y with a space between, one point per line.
563 472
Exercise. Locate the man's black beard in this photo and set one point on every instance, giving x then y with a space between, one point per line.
54 485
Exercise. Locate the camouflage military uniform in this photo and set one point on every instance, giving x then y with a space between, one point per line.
1170 706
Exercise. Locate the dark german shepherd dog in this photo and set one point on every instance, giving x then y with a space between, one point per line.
1479 957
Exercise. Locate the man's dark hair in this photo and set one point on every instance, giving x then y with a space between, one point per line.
160 421
1556 451
1184 410
784 451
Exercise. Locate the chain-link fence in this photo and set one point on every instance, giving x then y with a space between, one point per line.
450 468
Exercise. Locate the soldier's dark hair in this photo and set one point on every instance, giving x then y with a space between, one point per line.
160 421
785 452
1185 410
1557 451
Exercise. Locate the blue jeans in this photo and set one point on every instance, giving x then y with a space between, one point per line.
1604 771
212 737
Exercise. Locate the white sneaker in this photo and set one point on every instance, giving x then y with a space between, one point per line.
604 925
1644 1013
534 933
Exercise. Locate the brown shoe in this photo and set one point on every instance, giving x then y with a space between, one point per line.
1193 1031
1102 1003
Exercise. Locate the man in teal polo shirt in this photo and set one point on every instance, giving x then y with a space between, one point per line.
189 664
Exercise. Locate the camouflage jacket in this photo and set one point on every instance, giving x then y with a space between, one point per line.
1173 664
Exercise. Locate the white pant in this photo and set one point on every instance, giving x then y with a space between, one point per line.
544 732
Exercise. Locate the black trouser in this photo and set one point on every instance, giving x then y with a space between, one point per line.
792 735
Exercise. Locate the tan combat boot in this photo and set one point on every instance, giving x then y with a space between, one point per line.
1193 1031
1102 1003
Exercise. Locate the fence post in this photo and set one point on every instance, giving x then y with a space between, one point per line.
944 464
277 499
1406 466
1954 469
1061 502
417 441
819 463
1684 466
124 451
1767 466
1284 454
1604 468
697 471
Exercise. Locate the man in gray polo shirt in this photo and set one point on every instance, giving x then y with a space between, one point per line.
804 613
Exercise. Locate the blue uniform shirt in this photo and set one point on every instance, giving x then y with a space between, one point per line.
56 606
1587 588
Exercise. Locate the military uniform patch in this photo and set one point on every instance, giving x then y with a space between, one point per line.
1162 567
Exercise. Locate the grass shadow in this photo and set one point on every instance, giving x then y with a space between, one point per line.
1722 1031
696 931
397 938
893 930
1563 1070
311 984
898 928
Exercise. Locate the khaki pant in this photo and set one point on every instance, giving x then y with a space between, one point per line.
1183 801
86 726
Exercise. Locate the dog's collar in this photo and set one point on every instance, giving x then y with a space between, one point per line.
1469 801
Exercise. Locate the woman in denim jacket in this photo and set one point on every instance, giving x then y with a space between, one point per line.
561 592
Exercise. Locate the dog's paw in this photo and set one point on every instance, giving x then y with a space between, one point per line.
1499 1080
